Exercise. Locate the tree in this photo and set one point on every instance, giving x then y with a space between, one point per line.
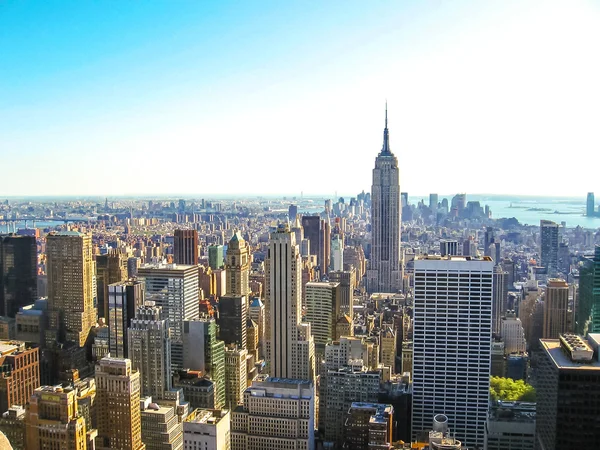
510 390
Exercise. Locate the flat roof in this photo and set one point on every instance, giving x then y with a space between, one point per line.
561 360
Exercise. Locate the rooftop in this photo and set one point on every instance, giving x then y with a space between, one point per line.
207 416
513 411
559 356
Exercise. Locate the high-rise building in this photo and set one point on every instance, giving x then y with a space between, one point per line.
588 305
70 266
110 268
433 202
277 413
204 352
449 247
323 301
20 374
292 212
215 256
342 387
325 248
368 426
556 309
513 334
124 299
568 386
290 345
185 247
236 376
452 343
237 263
18 273
53 422
208 429
174 288
337 248
384 274
150 350
233 315
388 345
118 405
498 299
347 280
590 205
161 429
257 313
312 233
549 245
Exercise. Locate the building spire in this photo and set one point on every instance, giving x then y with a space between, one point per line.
386 138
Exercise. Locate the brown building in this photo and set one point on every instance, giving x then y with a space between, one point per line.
185 247
556 309
237 263
110 268
12 424
20 375
53 422
368 426
118 405
71 311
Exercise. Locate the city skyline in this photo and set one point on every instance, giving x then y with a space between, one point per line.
465 79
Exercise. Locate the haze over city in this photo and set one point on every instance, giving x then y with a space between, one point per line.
162 97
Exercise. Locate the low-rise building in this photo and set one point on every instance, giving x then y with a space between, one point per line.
277 413
207 429
510 425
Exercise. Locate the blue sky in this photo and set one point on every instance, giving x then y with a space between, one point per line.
200 97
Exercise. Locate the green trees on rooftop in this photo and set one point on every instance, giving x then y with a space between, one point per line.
510 390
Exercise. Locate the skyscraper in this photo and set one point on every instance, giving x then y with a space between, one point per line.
174 288
53 421
337 248
347 280
233 315
236 376
71 311
588 305
18 273
312 231
323 301
384 274
556 309
110 268
150 350
215 256
568 388
590 205
118 405
549 245
124 299
238 266
499 299
290 346
20 373
452 343
185 247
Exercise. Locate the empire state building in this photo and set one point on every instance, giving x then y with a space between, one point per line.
384 273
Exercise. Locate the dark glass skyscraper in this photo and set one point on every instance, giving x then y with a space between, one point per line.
384 274
185 247
18 273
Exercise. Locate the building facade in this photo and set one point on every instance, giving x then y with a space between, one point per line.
323 303
149 342
276 413
207 429
185 247
237 263
18 273
452 343
384 273
118 405
549 246
556 309
124 299
290 345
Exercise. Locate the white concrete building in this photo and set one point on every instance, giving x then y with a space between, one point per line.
207 429
323 301
513 335
452 344
277 414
